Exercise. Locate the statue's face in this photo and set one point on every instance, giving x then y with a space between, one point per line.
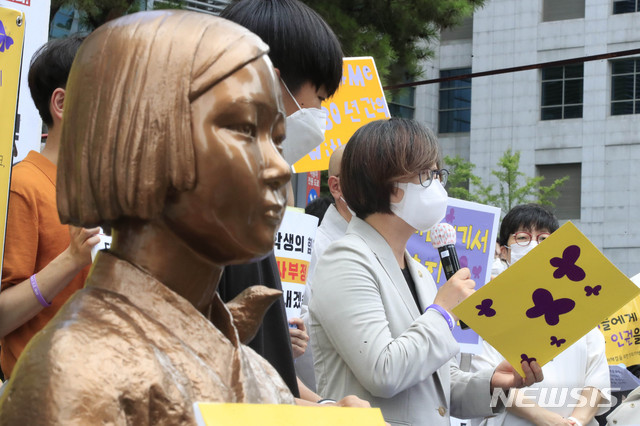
239 198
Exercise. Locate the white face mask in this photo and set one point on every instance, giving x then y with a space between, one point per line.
348 208
305 131
517 251
421 207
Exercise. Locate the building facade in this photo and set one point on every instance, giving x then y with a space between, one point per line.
579 119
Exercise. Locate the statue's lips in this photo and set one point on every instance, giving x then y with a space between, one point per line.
274 213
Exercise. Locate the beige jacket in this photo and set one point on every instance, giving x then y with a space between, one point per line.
370 339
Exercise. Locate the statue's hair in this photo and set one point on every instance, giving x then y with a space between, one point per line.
126 132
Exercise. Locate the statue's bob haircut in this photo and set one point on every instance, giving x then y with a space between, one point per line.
126 133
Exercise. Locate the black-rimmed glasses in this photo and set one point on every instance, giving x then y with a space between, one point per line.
427 177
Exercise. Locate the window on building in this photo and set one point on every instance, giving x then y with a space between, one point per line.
454 112
625 87
402 102
558 10
562 92
567 205
625 6
464 31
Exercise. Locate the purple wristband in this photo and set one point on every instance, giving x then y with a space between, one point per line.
36 291
444 314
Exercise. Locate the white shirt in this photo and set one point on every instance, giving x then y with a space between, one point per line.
581 365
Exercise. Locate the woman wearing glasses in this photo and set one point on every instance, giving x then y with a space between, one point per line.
381 330
580 373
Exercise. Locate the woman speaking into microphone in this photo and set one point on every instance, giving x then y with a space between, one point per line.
381 330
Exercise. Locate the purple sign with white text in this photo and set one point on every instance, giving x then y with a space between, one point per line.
476 228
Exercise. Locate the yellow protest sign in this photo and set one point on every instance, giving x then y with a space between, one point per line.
547 300
11 41
358 101
622 333
208 414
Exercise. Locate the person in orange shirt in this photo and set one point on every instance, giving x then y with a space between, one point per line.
45 262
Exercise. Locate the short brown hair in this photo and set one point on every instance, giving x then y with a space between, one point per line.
126 132
380 153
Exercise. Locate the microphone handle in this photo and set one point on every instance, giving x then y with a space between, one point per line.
449 258
451 265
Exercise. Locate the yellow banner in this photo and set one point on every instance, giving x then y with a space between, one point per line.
11 41
358 101
293 270
547 300
209 414
622 334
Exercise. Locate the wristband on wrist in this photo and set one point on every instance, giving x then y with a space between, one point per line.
444 314
576 421
326 401
36 291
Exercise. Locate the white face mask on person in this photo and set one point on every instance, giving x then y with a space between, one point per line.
518 251
305 131
421 207
348 208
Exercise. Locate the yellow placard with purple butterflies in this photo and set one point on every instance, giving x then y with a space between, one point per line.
548 299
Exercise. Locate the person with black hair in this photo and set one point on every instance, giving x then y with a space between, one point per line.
581 369
45 262
307 58
521 226
380 328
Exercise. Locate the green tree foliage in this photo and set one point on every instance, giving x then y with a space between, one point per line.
395 33
96 12
514 187
168 4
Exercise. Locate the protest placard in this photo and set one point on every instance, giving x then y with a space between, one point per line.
11 41
621 332
293 246
209 414
358 101
476 231
547 300
35 27
103 244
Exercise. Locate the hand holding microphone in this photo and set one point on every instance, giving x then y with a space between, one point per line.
459 285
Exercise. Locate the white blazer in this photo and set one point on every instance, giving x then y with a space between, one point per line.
370 339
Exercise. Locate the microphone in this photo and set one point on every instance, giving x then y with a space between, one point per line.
443 238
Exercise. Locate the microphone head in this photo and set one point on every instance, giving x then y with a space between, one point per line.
443 234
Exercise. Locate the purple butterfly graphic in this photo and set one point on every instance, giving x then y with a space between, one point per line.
556 341
525 358
593 290
450 217
543 304
477 270
484 308
567 265
464 262
5 40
